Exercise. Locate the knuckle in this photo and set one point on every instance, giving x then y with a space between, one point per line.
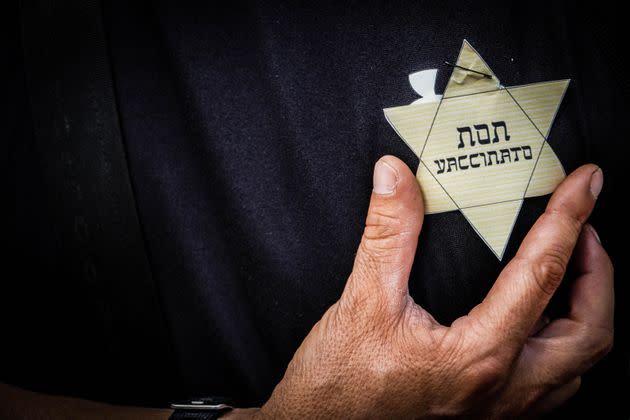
381 225
551 270
546 271
381 220
492 371
383 238
487 374
377 250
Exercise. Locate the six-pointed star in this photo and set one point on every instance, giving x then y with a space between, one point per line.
482 146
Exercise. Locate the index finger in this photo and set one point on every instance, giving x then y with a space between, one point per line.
524 287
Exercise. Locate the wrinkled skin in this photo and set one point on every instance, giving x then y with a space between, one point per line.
375 353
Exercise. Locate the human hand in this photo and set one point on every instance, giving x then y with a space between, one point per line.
376 353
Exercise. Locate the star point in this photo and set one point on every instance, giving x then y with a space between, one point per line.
483 147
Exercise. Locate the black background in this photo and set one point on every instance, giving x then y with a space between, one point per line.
251 131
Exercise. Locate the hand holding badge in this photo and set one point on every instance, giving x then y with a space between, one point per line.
482 146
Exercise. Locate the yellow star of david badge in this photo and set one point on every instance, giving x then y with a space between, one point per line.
482 146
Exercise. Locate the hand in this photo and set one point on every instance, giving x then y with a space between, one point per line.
376 353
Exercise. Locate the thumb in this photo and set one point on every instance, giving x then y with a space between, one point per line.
388 246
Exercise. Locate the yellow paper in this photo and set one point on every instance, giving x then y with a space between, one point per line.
482 146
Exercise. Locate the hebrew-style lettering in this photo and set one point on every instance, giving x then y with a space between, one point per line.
459 162
474 160
463 130
451 162
515 150
497 125
441 164
496 158
481 128
474 165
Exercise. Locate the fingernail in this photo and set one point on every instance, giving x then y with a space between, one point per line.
597 182
385 178
594 232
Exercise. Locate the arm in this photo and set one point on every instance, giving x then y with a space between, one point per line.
376 353
16 403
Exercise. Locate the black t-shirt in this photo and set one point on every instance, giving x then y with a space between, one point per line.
251 131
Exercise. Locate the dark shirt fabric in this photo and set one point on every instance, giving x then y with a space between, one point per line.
251 131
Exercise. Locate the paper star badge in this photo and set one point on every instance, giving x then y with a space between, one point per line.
482 146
